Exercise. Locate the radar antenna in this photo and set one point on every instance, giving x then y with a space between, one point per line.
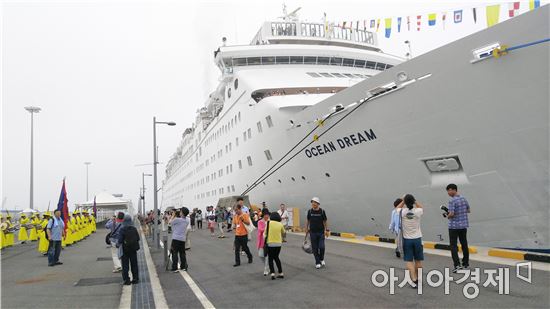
292 16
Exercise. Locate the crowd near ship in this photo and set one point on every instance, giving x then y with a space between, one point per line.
311 109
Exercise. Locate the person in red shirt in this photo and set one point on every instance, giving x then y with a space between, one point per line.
241 233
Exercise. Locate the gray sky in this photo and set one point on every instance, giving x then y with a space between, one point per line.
100 70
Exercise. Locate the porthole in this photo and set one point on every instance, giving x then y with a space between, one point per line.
327 174
280 181
236 83
304 178
293 179
263 182
229 93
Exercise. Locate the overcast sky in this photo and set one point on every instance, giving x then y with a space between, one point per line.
100 70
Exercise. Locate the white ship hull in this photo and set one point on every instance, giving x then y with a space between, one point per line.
492 117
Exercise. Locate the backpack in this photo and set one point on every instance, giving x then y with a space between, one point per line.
131 239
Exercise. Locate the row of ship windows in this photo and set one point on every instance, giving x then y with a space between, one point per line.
223 129
312 60
340 75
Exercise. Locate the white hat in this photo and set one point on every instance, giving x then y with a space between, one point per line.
316 199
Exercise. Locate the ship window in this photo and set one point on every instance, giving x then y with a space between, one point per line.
335 61
296 59
310 60
231 168
236 85
388 66
326 75
239 116
304 178
249 131
371 65
380 66
239 61
279 181
313 74
268 155
268 60
269 121
349 75
229 93
249 159
259 124
237 141
348 62
240 164
337 74
293 179
229 146
323 60
327 174
233 188
254 61
282 59
244 136
360 75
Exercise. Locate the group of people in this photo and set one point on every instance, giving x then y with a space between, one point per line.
405 224
79 225
123 239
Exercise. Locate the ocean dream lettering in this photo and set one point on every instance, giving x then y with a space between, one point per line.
341 143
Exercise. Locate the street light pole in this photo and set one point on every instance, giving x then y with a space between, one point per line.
87 165
32 110
156 232
143 190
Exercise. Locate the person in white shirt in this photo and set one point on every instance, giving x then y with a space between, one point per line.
284 215
413 251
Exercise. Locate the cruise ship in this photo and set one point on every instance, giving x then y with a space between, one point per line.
313 109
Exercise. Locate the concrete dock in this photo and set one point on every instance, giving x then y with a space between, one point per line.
85 279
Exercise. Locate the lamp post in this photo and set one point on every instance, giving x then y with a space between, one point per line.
156 232
32 110
87 165
143 190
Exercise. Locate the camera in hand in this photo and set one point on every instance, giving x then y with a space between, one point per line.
445 211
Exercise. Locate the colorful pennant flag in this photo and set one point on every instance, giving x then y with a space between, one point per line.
431 19
492 12
408 23
418 22
63 204
398 24
513 8
475 15
372 23
388 27
533 4
458 16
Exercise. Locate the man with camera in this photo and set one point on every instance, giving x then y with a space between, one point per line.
179 223
458 211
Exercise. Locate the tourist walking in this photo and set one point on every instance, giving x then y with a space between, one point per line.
284 215
128 244
192 219
260 240
115 224
275 232
317 227
395 227
179 223
56 231
220 218
458 227
211 219
241 234
413 252
199 219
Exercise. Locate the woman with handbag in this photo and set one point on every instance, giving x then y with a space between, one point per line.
275 233
260 239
